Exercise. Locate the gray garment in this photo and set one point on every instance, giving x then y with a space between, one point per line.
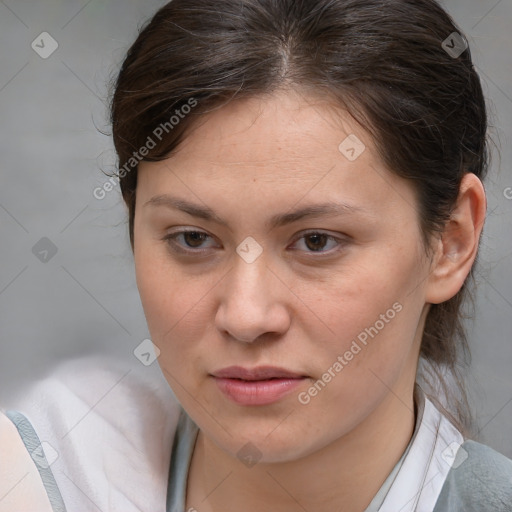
482 481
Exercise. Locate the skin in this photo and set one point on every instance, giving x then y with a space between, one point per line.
292 307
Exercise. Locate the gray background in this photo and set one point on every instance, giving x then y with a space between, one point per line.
84 300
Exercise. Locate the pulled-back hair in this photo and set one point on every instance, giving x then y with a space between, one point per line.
384 61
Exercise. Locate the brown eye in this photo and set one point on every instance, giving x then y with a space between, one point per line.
315 242
191 239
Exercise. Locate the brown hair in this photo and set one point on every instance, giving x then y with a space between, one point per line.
384 61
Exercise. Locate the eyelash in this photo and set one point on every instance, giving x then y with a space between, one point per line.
170 239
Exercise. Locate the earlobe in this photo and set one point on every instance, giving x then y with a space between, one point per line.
458 245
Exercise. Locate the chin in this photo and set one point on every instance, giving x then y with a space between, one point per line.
264 444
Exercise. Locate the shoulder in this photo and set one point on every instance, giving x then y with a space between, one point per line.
480 479
109 425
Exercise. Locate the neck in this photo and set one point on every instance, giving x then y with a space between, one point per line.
360 460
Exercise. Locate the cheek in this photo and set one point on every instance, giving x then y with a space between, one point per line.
160 292
354 297
175 307
369 313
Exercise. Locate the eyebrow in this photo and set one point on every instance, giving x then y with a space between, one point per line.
278 220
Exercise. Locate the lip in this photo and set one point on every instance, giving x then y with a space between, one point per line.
258 386
258 373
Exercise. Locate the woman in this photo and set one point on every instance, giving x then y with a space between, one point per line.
304 188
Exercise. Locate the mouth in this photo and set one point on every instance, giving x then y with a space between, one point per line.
258 386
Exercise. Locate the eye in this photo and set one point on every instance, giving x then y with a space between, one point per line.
313 242
316 240
192 239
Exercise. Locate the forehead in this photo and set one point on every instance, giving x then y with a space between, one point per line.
282 135
285 146
279 127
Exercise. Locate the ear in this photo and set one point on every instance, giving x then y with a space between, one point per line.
457 248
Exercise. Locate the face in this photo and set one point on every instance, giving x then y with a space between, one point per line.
337 297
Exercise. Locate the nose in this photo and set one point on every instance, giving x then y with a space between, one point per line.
253 301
